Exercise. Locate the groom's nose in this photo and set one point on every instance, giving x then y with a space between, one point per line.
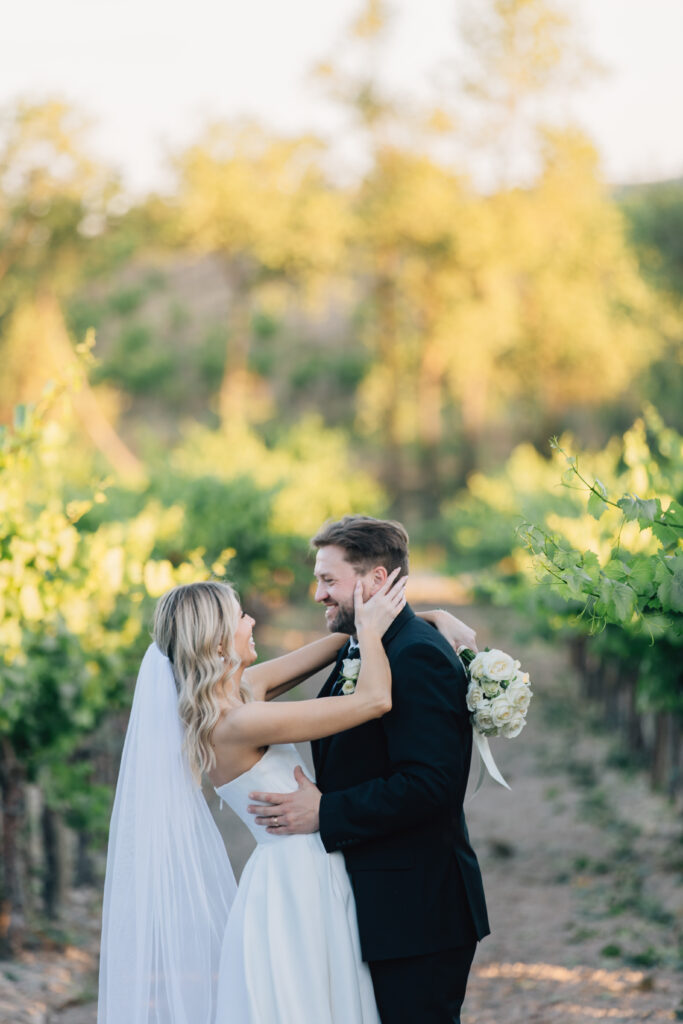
320 592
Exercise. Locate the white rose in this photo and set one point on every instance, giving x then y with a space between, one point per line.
350 668
501 711
490 687
475 696
499 665
514 726
477 667
483 722
348 687
519 695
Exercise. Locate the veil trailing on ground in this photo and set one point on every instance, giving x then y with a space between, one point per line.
169 884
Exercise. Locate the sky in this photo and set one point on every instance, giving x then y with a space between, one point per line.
152 72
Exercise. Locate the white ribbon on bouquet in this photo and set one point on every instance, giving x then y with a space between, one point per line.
487 764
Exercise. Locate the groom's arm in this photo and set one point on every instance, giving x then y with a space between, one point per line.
427 734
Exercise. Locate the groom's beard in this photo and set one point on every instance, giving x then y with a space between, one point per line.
343 621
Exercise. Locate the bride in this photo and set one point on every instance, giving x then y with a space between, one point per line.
181 944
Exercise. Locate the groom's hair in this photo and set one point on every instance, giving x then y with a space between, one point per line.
367 542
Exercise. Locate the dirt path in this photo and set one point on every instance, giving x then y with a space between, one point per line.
582 866
583 872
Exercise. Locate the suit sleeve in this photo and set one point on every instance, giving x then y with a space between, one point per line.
429 744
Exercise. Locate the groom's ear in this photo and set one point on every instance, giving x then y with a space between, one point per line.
377 578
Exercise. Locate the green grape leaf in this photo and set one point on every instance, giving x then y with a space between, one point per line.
625 601
667 535
642 573
663 568
657 625
670 591
534 537
619 599
591 564
577 581
633 507
673 515
596 505
566 559
615 569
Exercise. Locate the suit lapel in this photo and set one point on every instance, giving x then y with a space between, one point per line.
321 748
401 620
331 679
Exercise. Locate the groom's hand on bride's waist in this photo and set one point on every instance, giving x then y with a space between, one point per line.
289 814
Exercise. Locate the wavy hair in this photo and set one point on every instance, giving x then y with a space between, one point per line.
191 623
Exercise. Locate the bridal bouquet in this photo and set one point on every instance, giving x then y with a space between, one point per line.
498 694
498 697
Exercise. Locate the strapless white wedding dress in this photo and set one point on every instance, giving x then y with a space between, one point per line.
291 953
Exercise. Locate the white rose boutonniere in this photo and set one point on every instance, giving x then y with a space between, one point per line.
349 673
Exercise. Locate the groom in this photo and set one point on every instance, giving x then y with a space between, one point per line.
390 793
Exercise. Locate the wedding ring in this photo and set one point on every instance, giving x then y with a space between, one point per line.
275 823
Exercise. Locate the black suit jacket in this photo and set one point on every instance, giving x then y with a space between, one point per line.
392 801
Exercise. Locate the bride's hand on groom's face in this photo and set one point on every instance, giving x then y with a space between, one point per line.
380 610
289 814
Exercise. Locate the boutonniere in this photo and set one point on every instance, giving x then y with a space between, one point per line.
349 673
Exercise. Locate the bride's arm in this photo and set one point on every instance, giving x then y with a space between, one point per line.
457 632
271 678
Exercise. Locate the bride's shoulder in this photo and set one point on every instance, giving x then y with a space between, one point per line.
232 717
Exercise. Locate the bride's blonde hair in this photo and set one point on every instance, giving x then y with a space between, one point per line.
191 623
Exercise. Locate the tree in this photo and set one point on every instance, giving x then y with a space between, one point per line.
423 242
518 58
264 207
654 215
579 297
53 198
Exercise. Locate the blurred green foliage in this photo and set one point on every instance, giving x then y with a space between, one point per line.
588 547
620 563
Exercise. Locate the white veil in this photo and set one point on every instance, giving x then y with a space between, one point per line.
168 885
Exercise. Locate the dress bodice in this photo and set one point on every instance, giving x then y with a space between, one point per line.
273 773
